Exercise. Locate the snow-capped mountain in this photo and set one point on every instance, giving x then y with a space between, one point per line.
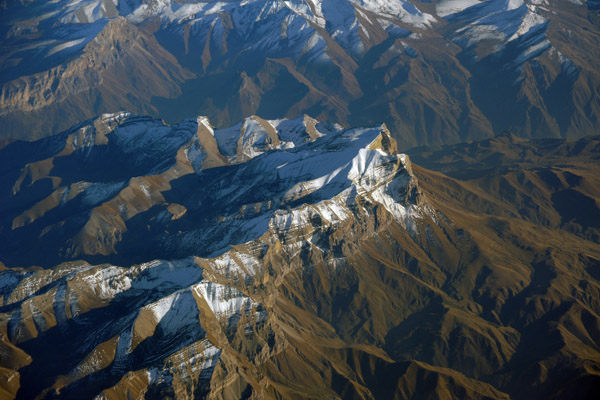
194 211
289 172
292 258
434 72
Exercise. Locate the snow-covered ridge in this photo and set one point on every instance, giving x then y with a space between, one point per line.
269 171
260 24
282 186
509 24
298 29
288 181
449 7
158 302
503 20
286 184
164 285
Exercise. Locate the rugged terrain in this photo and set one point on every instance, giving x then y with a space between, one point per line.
551 182
296 259
436 72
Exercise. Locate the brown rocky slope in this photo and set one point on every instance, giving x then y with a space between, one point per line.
404 283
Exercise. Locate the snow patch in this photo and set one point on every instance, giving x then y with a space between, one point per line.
108 282
448 7
224 301
65 45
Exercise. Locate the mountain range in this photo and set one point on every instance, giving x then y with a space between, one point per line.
436 72
438 238
292 258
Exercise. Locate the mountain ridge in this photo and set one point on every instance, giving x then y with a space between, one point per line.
373 277
141 141
435 73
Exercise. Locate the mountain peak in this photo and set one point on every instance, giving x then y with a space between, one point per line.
254 175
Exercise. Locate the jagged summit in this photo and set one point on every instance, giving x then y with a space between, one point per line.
199 189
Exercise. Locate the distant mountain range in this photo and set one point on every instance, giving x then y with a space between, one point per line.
436 72
293 258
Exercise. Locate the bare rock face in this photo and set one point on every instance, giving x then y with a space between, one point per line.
288 259
119 61
435 72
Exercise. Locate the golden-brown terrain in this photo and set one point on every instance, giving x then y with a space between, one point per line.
370 279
